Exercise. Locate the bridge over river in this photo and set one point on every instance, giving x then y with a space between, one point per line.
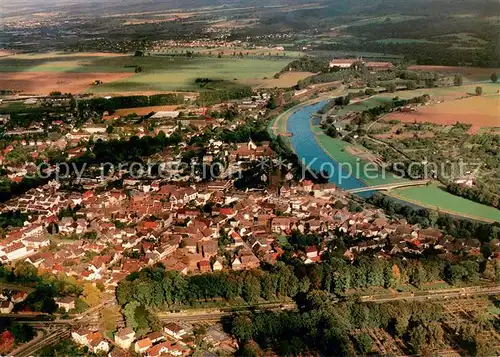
389 186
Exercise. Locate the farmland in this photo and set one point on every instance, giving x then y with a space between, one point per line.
470 73
286 80
435 197
144 110
480 112
445 93
42 73
46 82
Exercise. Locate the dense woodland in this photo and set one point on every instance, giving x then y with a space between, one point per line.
101 105
156 288
324 327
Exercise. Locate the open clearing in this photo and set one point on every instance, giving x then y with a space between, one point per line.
436 198
4 53
444 93
471 73
75 72
478 111
171 73
45 82
144 110
286 80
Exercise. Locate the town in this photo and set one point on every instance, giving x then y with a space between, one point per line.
243 179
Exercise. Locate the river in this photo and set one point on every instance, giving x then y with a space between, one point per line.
307 148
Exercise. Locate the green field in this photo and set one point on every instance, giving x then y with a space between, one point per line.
488 88
436 198
360 106
167 73
337 149
159 73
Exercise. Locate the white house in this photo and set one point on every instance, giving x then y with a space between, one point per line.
14 251
166 114
36 241
67 303
93 340
6 307
124 338
174 330
217 266
143 345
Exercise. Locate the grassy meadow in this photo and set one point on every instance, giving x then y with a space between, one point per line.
435 197
159 73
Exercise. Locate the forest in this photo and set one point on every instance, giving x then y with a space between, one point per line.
325 327
101 105
155 288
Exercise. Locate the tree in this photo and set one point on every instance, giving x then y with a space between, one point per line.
483 347
125 291
364 343
22 332
417 338
25 272
479 90
338 204
251 288
391 87
109 317
6 342
435 334
370 91
129 314
458 80
251 349
494 77
332 131
91 294
242 328
273 102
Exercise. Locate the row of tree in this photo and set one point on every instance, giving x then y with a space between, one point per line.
132 101
221 95
155 287
474 193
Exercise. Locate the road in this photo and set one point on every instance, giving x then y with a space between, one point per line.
441 294
430 295
52 337
53 330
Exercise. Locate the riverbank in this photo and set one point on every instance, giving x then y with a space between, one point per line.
436 198
320 151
